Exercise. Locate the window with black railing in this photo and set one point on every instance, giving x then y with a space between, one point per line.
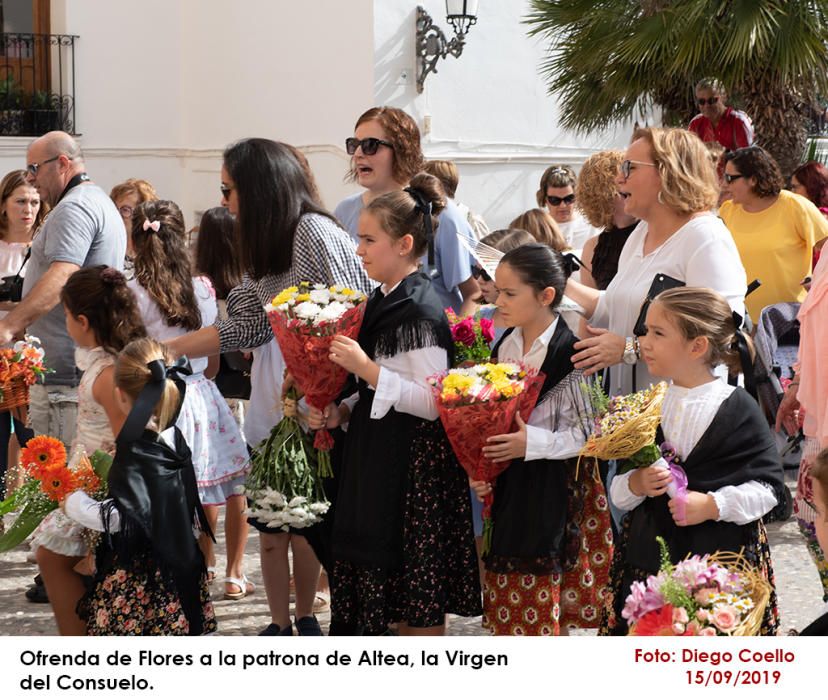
37 83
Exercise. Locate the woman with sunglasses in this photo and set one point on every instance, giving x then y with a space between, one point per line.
385 155
285 237
717 121
775 230
668 182
556 194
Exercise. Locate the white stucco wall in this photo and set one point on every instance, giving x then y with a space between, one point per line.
489 111
163 88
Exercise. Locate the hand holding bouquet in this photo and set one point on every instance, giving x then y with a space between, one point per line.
49 480
717 595
305 319
479 402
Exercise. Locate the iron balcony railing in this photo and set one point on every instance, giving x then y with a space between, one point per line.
37 84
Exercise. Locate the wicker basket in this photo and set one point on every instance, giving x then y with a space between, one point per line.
636 432
756 586
14 393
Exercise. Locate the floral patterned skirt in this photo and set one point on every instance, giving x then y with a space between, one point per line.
133 602
439 572
532 604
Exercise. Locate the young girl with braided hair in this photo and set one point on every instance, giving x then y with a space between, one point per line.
402 543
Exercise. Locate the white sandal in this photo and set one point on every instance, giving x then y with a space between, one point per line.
245 586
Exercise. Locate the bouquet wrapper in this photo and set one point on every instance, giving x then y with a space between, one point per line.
468 427
306 355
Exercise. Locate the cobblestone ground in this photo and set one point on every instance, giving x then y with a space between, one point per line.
798 587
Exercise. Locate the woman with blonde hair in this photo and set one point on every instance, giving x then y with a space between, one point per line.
668 181
603 207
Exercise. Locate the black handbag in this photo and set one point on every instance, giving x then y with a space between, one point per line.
661 283
11 287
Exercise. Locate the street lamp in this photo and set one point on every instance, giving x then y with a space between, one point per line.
432 45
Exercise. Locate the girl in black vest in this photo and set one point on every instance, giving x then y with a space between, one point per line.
402 542
721 439
539 571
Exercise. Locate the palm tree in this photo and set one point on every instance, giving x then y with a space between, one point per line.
616 59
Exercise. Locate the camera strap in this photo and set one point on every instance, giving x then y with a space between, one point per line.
74 182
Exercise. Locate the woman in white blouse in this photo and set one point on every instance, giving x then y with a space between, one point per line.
667 181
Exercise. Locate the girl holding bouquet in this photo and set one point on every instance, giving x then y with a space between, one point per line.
402 538
102 318
172 303
150 578
719 436
539 577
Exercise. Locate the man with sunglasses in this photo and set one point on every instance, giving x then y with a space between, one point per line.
718 122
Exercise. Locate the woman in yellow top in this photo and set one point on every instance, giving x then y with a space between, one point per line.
775 230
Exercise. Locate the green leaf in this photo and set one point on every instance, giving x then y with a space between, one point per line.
30 517
101 463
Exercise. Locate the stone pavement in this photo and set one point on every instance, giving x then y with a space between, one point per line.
798 587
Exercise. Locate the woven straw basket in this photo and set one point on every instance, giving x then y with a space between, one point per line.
15 392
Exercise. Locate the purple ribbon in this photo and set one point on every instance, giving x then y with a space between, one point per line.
677 489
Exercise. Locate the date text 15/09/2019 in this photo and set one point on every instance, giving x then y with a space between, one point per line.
713 658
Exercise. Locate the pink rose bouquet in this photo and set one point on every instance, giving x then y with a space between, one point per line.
472 337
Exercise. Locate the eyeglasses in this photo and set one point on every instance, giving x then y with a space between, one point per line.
728 178
709 101
225 191
126 211
32 168
627 167
369 146
557 201
480 273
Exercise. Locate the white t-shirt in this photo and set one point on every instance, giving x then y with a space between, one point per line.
157 325
577 232
701 254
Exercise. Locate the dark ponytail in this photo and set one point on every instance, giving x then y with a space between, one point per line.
538 266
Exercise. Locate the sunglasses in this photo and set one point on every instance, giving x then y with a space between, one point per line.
627 167
480 273
32 168
709 101
225 191
369 146
557 201
728 178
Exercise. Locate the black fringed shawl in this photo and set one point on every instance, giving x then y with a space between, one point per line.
368 521
533 532
153 489
736 448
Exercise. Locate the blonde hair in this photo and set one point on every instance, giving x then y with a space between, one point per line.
596 189
688 178
700 312
132 375
542 226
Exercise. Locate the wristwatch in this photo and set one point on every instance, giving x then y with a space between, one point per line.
631 351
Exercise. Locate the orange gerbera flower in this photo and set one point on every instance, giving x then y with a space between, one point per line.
656 623
57 483
41 453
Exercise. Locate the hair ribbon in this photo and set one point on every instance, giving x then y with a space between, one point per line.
740 345
154 225
422 205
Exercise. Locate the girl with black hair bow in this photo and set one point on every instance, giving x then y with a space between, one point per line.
151 577
402 541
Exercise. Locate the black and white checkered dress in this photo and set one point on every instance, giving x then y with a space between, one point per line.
322 253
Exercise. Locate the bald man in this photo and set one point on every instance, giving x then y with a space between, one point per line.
83 229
